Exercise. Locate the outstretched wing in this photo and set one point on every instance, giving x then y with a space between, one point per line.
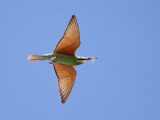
66 77
70 40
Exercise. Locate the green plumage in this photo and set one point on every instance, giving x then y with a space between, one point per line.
62 58
65 59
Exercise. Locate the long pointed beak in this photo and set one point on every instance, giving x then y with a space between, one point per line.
89 58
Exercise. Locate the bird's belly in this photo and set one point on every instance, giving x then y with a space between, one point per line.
67 60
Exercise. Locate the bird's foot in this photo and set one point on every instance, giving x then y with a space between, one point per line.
52 60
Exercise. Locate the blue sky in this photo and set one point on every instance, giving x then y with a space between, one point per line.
123 84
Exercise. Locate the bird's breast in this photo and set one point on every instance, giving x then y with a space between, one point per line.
65 59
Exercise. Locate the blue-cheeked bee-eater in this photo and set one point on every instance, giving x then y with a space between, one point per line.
63 58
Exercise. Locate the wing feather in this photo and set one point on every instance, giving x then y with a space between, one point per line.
66 77
70 40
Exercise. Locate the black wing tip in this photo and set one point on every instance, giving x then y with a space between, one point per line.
63 101
73 15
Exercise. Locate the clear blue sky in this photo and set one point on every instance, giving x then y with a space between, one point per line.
123 84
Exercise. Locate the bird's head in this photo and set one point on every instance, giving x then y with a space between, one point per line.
82 60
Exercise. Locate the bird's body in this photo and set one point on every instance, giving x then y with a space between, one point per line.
63 58
66 59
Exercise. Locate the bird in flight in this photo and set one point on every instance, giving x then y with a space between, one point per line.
63 58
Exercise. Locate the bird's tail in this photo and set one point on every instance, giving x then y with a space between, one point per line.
34 57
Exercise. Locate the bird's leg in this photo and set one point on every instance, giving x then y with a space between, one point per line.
52 60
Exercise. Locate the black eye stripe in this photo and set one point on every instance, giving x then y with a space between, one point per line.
84 58
81 59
